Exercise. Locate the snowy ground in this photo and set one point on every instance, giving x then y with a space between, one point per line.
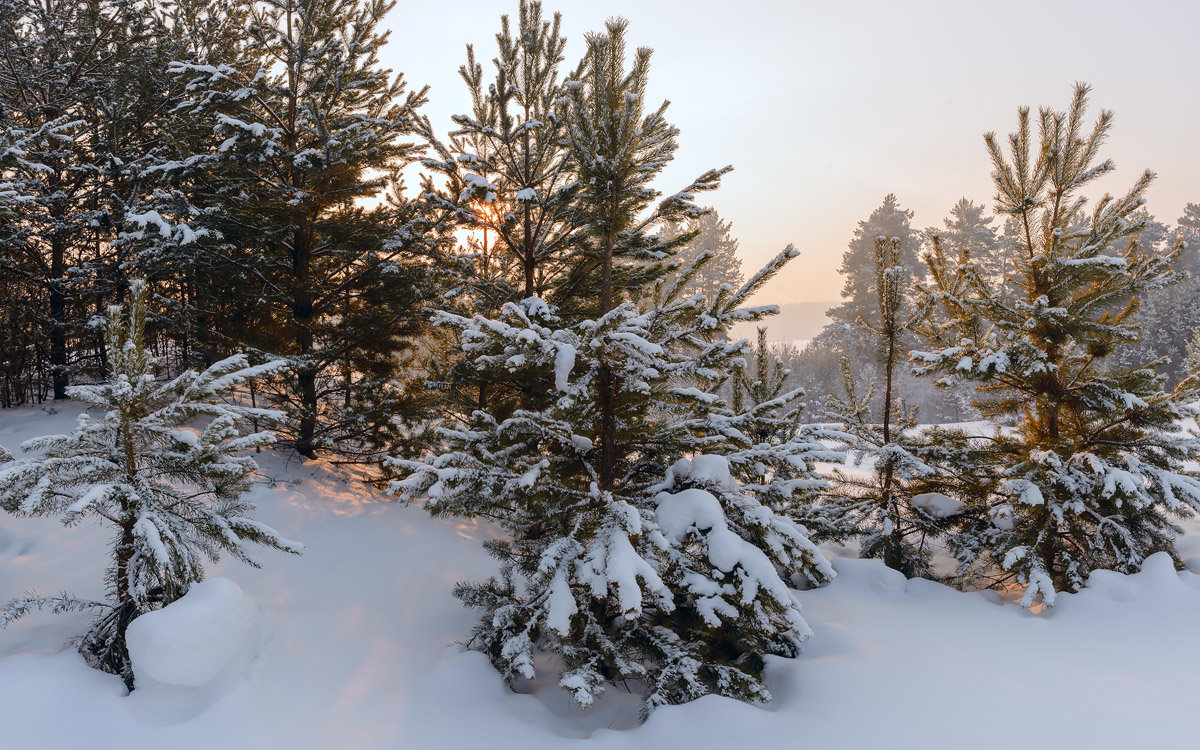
355 647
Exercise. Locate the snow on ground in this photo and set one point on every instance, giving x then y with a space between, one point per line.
354 646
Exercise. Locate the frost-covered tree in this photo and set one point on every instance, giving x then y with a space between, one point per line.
81 84
1169 314
1094 472
890 221
1187 230
760 387
518 184
1192 358
300 176
885 505
762 381
171 237
632 548
669 574
511 161
843 336
162 466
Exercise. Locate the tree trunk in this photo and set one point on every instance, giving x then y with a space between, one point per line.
58 314
302 316
123 553
606 384
530 286
529 259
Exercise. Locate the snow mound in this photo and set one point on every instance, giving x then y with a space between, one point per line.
1113 585
703 468
937 505
1157 582
870 576
192 641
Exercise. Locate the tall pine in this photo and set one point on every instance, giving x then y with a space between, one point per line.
81 88
632 549
1093 475
300 176
511 161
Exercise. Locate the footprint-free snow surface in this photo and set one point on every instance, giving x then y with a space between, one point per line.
356 645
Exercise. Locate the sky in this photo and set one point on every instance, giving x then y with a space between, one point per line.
823 108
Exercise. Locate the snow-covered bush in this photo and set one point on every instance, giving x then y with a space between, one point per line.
162 466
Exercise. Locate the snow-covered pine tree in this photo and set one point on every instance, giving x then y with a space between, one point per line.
631 549
1187 230
858 262
773 415
162 466
517 184
1169 314
842 337
968 232
1094 471
761 382
201 302
301 177
1191 362
886 506
669 576
80 85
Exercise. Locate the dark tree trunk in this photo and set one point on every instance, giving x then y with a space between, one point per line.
58 314
606 384
302 316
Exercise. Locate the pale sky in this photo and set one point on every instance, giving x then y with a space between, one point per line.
825 107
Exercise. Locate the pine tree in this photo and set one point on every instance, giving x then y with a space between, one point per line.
80 87
519 185
632 550
843 337
172 236
1187 231
762 384
1168 314
792 488
890 221
712 235
1093 473
173 493
516 182
306 129
887 507
968 232
1191 361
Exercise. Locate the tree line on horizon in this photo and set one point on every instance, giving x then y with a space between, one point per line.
1170 315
